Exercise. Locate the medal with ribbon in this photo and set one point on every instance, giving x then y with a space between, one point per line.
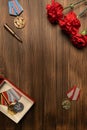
10 99
73 95
15 9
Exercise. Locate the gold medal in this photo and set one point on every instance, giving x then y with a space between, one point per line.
19 22
11 109
66 104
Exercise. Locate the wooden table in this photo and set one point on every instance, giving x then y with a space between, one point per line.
44 66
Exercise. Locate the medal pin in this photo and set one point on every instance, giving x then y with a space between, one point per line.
72 95
19 22
66 104
13 107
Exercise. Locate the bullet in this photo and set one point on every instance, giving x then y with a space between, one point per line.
12 32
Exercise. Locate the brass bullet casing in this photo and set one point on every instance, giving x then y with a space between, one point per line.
19 22
66 104
12 32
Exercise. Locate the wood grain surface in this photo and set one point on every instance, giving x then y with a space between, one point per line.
44 66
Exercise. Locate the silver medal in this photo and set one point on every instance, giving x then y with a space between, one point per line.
18 107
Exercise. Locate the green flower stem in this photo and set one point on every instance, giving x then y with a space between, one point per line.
72 5
84 32
82 13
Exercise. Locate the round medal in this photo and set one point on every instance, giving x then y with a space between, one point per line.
19 22
18 107
10 106
66 104
11 109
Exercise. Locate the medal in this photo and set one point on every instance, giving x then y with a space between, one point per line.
73 95
10 98
18 107
11 109
66 104
19 22
10 106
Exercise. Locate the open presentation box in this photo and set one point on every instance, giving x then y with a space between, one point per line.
13 102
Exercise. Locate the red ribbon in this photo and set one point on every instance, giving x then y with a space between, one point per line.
74 93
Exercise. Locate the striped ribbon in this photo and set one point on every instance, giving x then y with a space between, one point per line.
11 96
14 7
74 93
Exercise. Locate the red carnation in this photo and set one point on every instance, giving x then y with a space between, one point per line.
70 24
79 40
54 12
